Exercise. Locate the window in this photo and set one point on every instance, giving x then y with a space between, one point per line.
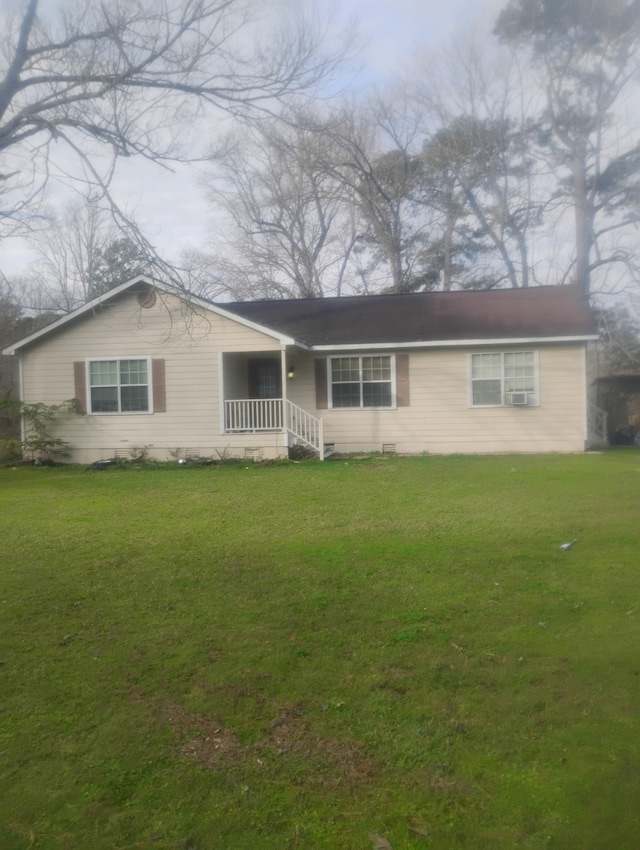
119 386
265 378
361 381
504 378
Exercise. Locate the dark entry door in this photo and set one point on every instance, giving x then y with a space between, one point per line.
265 378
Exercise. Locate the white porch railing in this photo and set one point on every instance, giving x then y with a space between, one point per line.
596 425
251 415
305 427
255 415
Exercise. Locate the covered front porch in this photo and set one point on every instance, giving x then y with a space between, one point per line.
255 398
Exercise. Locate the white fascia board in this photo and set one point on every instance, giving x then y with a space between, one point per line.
228 314
164 287
458 343
263 329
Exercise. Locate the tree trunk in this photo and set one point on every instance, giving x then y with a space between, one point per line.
583 224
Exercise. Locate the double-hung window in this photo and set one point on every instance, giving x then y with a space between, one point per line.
119 385
504 378
362 382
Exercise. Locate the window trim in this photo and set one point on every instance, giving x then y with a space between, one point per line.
502 352
118 359
392 367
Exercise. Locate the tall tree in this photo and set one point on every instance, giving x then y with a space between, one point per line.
473 168
373 158
99 81
293 230
10 316
14 324
588 53
385 187
478 173
79 254
118 261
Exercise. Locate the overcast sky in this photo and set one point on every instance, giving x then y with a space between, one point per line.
170 207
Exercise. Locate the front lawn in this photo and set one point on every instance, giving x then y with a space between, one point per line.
337 656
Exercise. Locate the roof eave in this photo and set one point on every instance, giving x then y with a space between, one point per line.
283 339
453 343
79 311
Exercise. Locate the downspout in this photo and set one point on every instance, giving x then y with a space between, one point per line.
223 426
585 393
23 427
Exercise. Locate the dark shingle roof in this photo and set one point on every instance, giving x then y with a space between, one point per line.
550 311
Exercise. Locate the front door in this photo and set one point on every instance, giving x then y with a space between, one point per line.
265 378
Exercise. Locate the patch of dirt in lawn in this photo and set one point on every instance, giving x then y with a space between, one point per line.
208 743
330 761
314 759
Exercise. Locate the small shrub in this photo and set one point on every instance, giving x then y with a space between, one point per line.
140 455
39 444
298 451
10 451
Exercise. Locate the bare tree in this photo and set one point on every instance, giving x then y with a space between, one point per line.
474 166
78 255
478 172
372 155
293 226
122 78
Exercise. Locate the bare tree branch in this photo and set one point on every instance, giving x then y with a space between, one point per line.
132 77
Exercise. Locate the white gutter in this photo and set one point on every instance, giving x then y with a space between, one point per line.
448 343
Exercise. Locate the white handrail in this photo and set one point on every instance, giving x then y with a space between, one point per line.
304 426
255 415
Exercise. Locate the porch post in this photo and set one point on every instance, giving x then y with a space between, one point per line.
283 383
283 369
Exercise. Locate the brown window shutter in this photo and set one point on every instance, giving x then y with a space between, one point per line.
159 392
80 381
322 398
402 380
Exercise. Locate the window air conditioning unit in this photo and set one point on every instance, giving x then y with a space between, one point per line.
517 398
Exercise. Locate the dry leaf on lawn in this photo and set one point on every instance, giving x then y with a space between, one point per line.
379 842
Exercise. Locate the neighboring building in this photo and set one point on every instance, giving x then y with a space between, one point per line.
443 372
618 393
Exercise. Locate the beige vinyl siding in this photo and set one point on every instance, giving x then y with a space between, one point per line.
194 343
188 341
440 418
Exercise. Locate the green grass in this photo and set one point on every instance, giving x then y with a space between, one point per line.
301 656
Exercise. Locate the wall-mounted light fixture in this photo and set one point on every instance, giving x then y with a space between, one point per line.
291 372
